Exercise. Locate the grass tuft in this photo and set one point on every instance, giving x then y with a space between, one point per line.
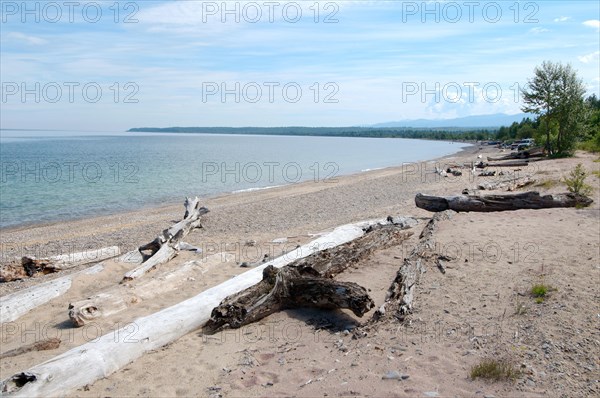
494 369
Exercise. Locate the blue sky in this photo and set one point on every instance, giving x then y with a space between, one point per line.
191 63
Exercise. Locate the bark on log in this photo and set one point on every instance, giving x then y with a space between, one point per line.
165 246
123 296
399 298
286 288
99 358
30 266
488 203
17 304
307 283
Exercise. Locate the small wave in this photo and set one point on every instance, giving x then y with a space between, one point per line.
376 168
256 189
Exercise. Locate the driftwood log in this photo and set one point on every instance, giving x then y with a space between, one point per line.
399 297
167 243
286 288
17 304
489 203
307 283
99 358
513 163
30 266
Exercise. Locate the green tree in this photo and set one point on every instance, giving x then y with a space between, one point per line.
556 93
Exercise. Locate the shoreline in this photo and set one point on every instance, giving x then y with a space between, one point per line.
480 307
153 207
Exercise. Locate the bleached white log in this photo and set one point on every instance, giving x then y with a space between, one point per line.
71 260
94 360
17 304
163 255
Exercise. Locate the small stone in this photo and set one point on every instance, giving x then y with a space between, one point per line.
404 377
431 394
530 383
391 375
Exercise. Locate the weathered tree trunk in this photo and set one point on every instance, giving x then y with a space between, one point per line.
99 358
286 288
30 266
508 184
514 163
307 283
399 298
165 246
488 203
123 296
17 304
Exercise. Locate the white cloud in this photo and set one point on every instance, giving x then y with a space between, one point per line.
561 19
586 59
32 40
593 23
537 31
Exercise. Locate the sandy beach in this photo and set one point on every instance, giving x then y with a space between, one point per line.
480 308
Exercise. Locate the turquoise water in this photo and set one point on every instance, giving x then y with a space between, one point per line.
53 176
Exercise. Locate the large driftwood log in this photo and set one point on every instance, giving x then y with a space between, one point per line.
123 296
286 288
166 245
488 203
30 266
399 297
307 283
99 358
17 304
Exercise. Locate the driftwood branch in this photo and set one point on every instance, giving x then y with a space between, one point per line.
307 283
488 203
166 245
30 266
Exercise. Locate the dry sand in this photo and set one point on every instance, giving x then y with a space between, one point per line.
480 308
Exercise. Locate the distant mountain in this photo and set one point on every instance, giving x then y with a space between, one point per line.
495 120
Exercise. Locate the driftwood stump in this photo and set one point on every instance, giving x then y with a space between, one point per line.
307 283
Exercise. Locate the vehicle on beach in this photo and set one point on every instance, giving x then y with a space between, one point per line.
522 144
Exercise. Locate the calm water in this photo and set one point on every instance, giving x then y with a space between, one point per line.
51 177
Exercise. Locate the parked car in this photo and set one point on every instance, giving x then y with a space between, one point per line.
522 144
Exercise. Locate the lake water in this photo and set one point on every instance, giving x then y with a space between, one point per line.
53 176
